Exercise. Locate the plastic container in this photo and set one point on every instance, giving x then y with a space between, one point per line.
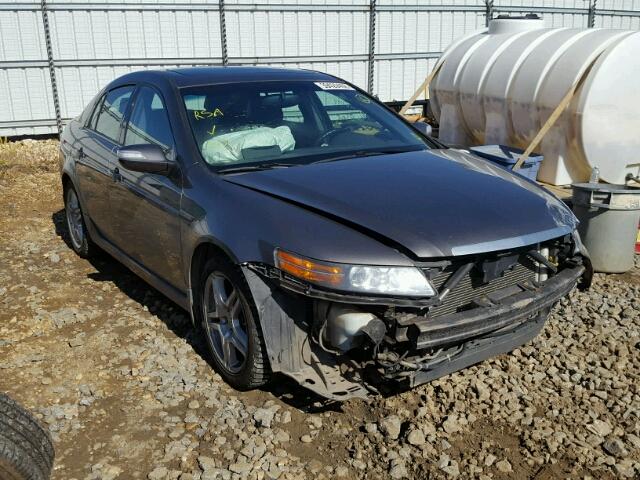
499 86
507 157
344 325
609 216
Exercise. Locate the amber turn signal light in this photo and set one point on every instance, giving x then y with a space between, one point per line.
308 270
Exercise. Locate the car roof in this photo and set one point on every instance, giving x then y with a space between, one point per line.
186 77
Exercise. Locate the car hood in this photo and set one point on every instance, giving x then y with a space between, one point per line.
431 203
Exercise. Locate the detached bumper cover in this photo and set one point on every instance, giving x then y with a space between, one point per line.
512 311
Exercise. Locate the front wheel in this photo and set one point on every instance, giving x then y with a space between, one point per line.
229 321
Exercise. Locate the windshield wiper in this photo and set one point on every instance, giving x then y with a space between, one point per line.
255 168
347 156
364 153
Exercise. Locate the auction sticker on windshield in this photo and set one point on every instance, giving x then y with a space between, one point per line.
333 86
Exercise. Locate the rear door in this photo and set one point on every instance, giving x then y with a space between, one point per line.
146 206
96 156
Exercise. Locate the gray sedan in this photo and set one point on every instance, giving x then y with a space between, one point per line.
309 230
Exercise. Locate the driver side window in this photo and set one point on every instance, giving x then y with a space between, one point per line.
149 122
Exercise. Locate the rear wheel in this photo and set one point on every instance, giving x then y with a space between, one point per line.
26 450
229 321
80 240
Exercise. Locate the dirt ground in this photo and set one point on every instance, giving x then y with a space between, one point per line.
118 375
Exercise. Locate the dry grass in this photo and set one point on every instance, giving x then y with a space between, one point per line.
28 156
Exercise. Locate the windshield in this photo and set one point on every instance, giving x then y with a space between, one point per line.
288 123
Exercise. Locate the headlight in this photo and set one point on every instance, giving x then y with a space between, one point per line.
406 281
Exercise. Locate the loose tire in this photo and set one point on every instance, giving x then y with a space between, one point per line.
229 320
26 449
78 233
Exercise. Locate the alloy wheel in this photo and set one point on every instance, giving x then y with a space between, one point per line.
225 322
74 219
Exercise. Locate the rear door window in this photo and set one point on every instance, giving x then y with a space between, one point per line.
112 110
95 112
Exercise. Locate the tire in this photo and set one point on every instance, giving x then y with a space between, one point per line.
26 449
253 371
78 234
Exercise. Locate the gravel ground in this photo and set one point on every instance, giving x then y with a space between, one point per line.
121 380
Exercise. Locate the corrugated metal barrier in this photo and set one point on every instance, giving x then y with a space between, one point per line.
55 54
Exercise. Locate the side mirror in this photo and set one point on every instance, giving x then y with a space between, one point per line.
145 158
423 127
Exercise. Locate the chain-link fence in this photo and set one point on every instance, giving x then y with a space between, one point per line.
56 54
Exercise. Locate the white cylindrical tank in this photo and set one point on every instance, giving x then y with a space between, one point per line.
499 86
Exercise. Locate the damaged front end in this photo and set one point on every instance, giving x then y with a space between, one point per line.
344 344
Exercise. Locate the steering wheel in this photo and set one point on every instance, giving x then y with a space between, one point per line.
331 133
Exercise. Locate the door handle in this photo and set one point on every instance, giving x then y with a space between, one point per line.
80 153
115 175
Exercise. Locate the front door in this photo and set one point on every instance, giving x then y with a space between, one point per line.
146 206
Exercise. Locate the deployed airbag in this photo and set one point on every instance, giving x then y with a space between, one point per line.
228 147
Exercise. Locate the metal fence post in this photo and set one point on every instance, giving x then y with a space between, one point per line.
372 45
52 69
488 11
591 21
223 33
